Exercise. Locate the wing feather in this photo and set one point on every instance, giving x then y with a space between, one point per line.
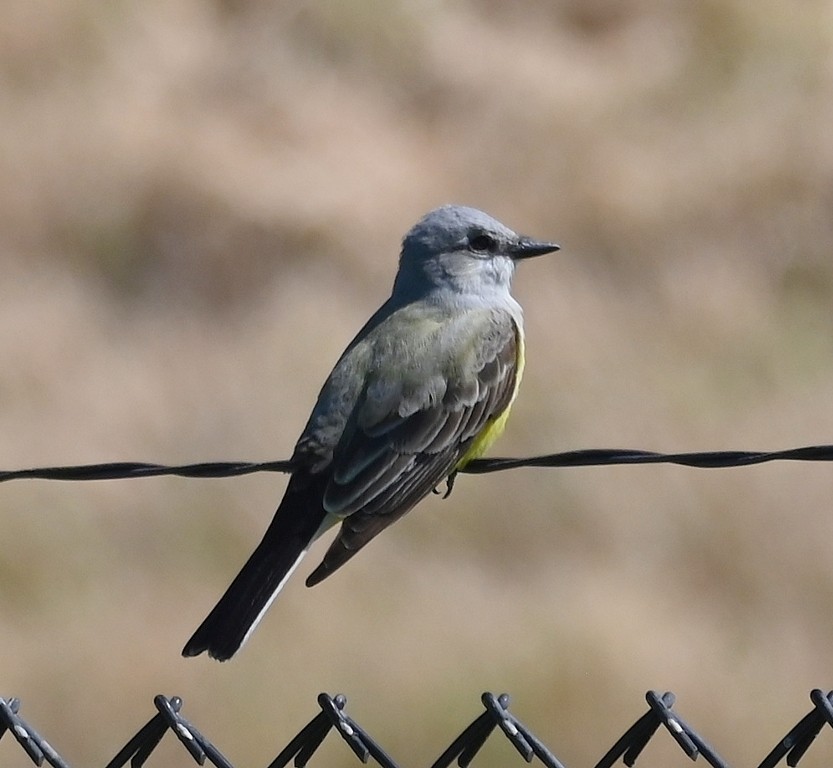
350 498
396 449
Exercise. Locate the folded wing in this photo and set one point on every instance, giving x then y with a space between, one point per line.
400 443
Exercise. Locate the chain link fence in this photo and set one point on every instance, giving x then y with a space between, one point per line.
496 719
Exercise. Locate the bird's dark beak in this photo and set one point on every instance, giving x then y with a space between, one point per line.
526 248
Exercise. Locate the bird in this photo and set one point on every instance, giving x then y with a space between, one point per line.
423 389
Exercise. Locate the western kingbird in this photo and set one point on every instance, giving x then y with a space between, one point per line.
424 388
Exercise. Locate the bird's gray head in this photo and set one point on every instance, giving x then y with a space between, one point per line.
464 250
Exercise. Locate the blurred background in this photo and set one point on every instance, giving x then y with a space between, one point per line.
201 202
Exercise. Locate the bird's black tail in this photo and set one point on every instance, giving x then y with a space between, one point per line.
286 541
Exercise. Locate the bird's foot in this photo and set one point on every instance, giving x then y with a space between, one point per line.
449 486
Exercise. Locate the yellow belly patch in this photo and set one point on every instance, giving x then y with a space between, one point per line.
495 426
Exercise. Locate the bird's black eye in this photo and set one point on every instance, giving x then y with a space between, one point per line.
482 243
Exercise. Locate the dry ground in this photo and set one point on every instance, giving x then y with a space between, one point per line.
201 202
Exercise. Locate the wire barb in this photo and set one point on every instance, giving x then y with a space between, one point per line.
801 736
634 740
332 716
466 746
140 747
34 745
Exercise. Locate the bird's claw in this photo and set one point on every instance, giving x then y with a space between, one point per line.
449 486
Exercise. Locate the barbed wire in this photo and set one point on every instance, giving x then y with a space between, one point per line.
495 718
581 458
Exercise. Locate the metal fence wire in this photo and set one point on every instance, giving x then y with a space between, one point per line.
495 719
591 457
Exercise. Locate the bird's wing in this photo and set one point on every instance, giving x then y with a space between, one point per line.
401 441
